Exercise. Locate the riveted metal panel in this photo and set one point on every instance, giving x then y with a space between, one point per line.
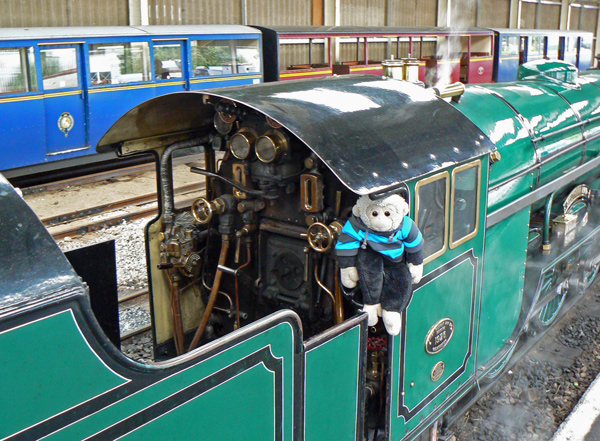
363 13
19 13
549 16
279 12
494 13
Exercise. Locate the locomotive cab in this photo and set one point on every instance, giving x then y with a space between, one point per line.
284 164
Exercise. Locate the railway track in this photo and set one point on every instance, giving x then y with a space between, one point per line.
76 223
542 382
103 176
129 298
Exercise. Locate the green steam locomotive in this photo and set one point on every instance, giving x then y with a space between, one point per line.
255 336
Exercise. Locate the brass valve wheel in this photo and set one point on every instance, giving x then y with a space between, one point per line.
320 237
202 210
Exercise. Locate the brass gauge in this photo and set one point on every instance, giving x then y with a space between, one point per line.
271 146
242 143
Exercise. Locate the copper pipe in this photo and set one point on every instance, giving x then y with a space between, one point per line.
176 315
213 295
339 304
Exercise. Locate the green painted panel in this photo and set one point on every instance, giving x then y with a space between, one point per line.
241 409
503 128
502 288
332 372
60 372
587 102
280 342
452 295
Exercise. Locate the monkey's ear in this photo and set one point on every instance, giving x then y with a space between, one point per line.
356 211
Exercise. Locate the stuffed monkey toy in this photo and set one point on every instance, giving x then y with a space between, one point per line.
380 247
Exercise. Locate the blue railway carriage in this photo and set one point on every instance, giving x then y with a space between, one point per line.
513 47
62 88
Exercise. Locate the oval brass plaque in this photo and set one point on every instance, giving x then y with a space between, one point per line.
438 371
439 336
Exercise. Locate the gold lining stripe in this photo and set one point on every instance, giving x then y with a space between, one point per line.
39 96
170 39
21 98
209 80
64 43
482 59
57 94
112 89
170 83
302 74
366 68
507 58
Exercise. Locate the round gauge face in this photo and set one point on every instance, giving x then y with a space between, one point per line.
222 127
266 149
240 146
227 117
273 123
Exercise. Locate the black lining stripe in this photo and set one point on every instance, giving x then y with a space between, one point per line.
141 376
195 390
403 410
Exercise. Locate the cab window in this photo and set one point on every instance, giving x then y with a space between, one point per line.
17 70
431 207
465 203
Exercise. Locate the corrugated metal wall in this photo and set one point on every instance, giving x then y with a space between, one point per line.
464 13
163 12
362 12
259 12
549 16
25 13
589 20
494 13
412 13
585 19
279 12
528 15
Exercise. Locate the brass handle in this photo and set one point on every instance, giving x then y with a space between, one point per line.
202 210
320 237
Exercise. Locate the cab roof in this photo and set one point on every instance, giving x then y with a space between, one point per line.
373 133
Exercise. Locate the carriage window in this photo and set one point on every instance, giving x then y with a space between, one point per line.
17 70
465 203
509 46
247 55
167 61
212 57
537 46
552 43
432 212
119 63
571 45
59 68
